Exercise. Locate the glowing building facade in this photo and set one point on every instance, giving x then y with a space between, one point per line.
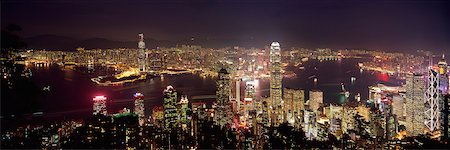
139 108
183 109
141 53
170 109
223 111
315 99
415 95
294 105
432 100
275 81
99 106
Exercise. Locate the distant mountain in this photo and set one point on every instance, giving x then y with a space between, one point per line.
55 42
50 42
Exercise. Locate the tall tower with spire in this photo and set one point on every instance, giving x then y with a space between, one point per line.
443 72
141 53
275 81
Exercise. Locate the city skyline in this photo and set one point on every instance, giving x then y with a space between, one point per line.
226 74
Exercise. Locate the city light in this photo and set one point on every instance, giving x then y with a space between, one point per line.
225 75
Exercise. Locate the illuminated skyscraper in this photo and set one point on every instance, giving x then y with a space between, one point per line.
415 95
432 100
183 109
275 80
443 76
315 99
139 108
99 106
141 53
310 124
250 89
223 111
294 101
170 110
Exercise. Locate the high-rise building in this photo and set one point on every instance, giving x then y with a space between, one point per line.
443 76
238 95
445 118
276 81
310 124
141 53
294 105
315 99
432 100
415 94
398 106
127 130
223 111
139 107
170 109
158 115
183 109
99 106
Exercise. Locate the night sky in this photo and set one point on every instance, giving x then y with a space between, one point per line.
386 25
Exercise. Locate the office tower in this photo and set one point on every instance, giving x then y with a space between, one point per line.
139 107
250 89
398 106
294 101
348 118
238 95
445 118
100 133
315 99
415 90
432 99
170 110
183 109
275 80
99 106
444 101
141 53
223 111
443 76
158 115
126 134
265 113
390 120
310 124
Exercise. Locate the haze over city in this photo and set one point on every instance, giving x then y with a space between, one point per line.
385 25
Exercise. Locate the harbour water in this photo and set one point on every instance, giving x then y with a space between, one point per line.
71 92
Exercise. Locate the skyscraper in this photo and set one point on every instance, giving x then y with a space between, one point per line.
443 76
432 100
170 110
141 53
139 107
223 111
99 106
183 109
445 118
294 105
275 80
415 94
315 99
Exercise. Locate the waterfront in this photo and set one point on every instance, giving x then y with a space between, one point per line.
71 92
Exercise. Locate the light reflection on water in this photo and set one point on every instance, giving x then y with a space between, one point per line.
74 91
